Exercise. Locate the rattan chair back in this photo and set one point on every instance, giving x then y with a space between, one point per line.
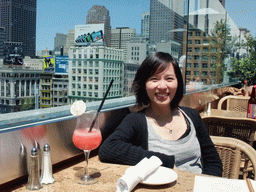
240 128
234 103
230 151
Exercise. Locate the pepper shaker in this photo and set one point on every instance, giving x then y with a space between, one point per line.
46 171
34 176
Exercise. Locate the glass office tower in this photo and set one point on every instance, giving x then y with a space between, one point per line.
19 20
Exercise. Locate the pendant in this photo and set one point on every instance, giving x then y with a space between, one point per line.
170 131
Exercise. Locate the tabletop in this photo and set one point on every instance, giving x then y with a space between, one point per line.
108 174
224 113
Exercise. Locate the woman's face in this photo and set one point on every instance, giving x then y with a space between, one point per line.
161 88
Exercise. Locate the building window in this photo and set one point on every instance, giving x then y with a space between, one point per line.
214 58
196 73
188 72
213 49
206 41
196 65
188 65
197 50
196 57
205 58
204 73
198 33
204 65
197 42
213 73
205 50
213 66
214 41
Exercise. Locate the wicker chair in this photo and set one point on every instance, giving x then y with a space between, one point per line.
234 103
230 151
240 128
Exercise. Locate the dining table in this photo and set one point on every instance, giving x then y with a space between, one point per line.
107 175
223 113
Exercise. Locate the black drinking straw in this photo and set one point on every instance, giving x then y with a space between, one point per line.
102 102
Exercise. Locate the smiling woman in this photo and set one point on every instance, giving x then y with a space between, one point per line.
174 134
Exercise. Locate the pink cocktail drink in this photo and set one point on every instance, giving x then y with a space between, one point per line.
85 140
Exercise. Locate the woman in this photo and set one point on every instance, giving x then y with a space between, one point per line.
174 134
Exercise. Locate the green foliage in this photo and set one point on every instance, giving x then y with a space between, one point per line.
224 45
246 68
251 46
27 104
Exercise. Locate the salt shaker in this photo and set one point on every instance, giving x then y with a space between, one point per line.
46 172
34 168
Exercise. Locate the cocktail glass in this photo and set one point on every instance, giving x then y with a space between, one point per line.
86 141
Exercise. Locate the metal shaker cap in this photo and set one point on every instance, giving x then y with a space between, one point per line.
34 151
46 147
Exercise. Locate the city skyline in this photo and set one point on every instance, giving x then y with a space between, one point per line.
62 16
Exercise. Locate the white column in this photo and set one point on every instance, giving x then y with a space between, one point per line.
30 86
12 91
19 88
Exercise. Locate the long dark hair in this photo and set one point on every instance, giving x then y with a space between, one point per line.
154 64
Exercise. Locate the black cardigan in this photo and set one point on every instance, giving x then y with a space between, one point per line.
129 144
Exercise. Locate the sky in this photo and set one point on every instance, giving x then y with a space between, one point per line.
58 16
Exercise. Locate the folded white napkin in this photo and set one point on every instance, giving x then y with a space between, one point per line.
134 175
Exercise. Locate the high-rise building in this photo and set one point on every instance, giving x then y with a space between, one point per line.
91 69
99 14
120 37
165 17
70 41
136 50
145 25
2 40
19 20
19 87
60 41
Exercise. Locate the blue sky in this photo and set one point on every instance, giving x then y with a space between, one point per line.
57 16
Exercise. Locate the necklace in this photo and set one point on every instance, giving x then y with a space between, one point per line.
164 123
170 130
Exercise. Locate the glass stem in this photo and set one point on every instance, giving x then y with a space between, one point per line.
86 172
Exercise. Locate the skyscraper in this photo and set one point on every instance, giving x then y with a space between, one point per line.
120 37
59 41
2 40
165 16
99 14
19 19
70 41
145 25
